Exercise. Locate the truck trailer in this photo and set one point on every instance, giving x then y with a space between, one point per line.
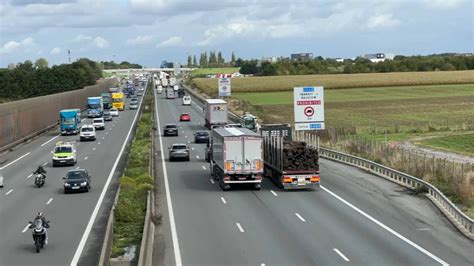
95 107
215 112
289 164
69 121
236 157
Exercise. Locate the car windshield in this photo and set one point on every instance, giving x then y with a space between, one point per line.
76 175
179 147
98 121
87 129
201 133
170 126
62 149
184 114
113 110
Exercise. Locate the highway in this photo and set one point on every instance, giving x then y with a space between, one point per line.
354 218
71 215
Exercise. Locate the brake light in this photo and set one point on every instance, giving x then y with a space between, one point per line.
314 178
229 165
258 164
226 177
287 179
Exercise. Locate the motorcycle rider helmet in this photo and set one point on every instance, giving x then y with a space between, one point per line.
39 215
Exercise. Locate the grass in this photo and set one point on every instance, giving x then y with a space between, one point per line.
206 71
338 81
107 74
457 143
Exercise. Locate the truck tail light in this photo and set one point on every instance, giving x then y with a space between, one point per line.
227 178
314 178
258 177
229 165
258 164
287 179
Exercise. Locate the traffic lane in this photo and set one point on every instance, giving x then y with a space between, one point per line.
74 210
413 216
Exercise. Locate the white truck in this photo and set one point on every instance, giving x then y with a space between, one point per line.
172 81
159 89
215 112
170 93
236 157
164 82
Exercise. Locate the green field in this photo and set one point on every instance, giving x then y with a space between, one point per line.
206 71
457 143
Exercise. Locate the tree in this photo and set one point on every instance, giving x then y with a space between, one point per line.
212 58
249 67
194 61
41 63
232 60
190 60
220 59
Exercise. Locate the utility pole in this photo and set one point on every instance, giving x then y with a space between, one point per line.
69 55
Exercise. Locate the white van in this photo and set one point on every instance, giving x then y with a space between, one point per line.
159 89
186 100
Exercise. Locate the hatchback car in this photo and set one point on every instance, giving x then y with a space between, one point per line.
201 137
170 130
107 116
179 152
77 180
114 112
185 117
133 104
87 132
98 123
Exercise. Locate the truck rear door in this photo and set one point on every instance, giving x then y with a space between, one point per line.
252 154
233 155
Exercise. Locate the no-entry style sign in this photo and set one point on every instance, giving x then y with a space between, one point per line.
224 87
309 108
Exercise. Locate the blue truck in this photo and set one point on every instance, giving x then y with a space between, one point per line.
95 107
69 121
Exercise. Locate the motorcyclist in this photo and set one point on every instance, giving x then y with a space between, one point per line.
40 170
40 216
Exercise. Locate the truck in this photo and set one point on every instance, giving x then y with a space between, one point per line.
106 100
170 93
288 164
172 81
112 90
164 82
95 107
250 121
69 120
118 101
236 157
215 112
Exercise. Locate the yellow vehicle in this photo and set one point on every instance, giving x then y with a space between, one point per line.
118 100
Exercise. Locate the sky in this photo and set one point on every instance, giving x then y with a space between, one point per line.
150 31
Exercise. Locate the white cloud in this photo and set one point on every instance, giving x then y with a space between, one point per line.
82 38
13 46
100 42
172 41
382 21
140 40
55 50
444 3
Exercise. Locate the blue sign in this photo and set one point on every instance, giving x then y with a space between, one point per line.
308 89
315 126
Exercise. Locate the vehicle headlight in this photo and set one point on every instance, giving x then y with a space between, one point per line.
67 185
55 157
83 183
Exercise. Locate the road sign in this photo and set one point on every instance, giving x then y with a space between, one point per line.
309 108
224 87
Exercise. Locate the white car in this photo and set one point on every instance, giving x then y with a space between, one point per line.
187 100
114 112
98 123
87 132
1 180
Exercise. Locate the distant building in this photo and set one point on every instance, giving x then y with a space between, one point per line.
340 60
302 56
379 57
272 59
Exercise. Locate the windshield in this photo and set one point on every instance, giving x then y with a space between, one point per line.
76 175
201 133
68 120
38 223
98 121
113 110
62 149
170 126
87 129
179 147
93 106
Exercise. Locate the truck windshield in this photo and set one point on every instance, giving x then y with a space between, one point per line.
117 100
93 106
68 121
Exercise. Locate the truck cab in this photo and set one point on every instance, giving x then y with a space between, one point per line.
69 120
95 107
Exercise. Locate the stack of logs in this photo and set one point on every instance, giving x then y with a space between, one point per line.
298 156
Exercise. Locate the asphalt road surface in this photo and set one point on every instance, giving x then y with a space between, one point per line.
354 218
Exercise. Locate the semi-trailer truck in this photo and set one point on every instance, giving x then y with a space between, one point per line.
236 157
69 121
215 112
95 107
106 100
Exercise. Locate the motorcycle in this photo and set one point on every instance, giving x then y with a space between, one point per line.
39 179
39 234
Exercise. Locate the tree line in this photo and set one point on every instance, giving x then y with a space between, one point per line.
212 60
122 65
26 80
320 65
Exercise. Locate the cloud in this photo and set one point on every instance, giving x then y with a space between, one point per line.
82 38
13 46
172 41
444 3
100 42
55 50
382 21
145 39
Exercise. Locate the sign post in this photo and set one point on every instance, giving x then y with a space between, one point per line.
224 87
308 108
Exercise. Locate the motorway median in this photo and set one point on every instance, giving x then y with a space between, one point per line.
129 214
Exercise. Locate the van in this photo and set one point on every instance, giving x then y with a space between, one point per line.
186 100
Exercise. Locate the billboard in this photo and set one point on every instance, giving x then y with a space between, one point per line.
224 87
309 108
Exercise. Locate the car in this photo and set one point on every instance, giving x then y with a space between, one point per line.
170 130
114 112
186 100
1 180
185 117
77 180
107 116
201 137
139 93
64 153
87 132
133 104
98 123
179 151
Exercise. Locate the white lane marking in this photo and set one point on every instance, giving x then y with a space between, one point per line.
212 181
106 133
93 149
274 194
192 148
189 142
223 200
28 177
26 228
185 137
16 160
263 264
82 243
85 158
182 131
99 142
49 201
49 141
77 167
203 167
299 216
340 254
390 230
240 227
423 229
82 120
103 137
45 163
197 156
9 191
174 234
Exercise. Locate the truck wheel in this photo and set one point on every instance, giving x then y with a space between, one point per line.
257 187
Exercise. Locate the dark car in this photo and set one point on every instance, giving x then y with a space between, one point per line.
107 116
77 180
179 151
170 130
201 137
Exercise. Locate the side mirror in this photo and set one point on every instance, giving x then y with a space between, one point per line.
52 152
